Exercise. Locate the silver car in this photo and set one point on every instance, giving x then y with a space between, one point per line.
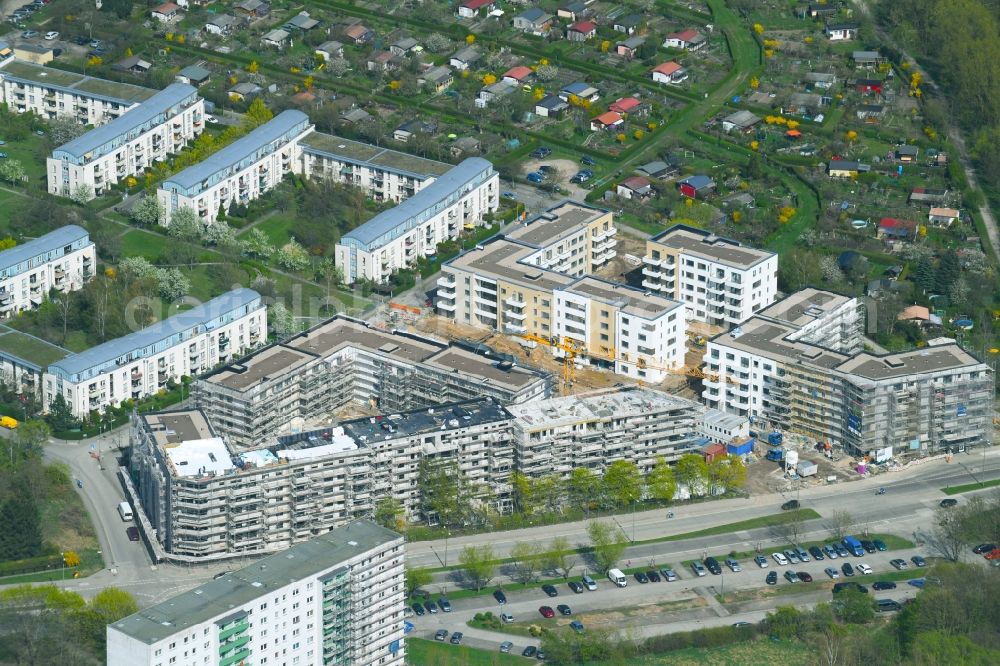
506 646
698 569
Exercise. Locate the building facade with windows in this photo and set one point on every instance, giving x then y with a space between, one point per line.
240 172
62 260
395 238
798 365
142 363
335 599
721 281
55 93
128 145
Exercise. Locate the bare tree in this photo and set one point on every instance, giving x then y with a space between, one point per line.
840 524
949 536
790 529
526 561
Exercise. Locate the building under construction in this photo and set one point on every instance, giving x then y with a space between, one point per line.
300 383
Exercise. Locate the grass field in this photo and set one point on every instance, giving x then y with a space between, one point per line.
277 228
969 487
139 243
762 652
421 652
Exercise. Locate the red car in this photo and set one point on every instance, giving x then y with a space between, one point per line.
804 577
547 611
993 554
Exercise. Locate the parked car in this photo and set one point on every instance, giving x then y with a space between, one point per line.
506 617
564 609
983 548
529 651
801 552
588 160
863 568
779 558
550 590
576 587
816 552
899 564
79 483
840 587
589 583
868 546
541 152
641 577
535 177
133 533
792 556
887 605
712 565
805 577
880 545
830 551
576 626
546 169
832 572
547 611
669 575
444 604
791 576
698 569
761 561
500 596
653 576
509 195
790 504
883 585
842 550
771 578
918 561
431 607
29 34
440 634
51 34
456 638
948 502
418 609
733 565
81 40
847 569
506 646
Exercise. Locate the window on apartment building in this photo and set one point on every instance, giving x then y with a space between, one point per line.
730 357
604 337
624 344
756 284
545 303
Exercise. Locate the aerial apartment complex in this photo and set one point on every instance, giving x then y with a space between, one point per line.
721 282
384 174
142 363
206 499
159 126
238 173
457 200
62 260
298 384
335 599
515 284
799 365
55 93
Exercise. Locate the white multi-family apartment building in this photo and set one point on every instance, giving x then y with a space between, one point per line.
384 174
798 365
396 238
240 172
721 281
299 384
142 363
535 282
126 146
62 259
336 599
54 93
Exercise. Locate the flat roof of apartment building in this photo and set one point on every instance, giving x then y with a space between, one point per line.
25 350
602 405
915 362
804 306
253 146
708 246
112 91
456 359
228 598
270 362
501 258
627 299
173 428
411 212
53 240
374 157
134 344
341 332
554 224
768 338
465 414
116 132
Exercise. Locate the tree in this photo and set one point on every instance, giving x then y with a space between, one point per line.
60 416
791 527
623 482
120 8
281 320
109 605
608 542
660 481
29 438
446 493
949 537
185 225
257 114
20 523
81 194
583 487
855 606
257 244
478 565
416 579
390 513
172 284
220 234
146 211
253 67
337 66
692 471
547 73
292 256
526 560
437 43
727 472
840 524
560 558
12 171
948 272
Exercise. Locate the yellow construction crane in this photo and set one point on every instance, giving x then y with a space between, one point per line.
572 349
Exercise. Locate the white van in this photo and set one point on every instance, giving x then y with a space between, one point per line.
125 511
617 577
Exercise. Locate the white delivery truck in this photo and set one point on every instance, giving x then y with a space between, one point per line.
125 511
617 577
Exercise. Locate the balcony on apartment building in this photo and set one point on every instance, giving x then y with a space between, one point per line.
601 235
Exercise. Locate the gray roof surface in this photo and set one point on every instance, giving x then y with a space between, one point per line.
98 137
124 93
195 72
375 157
161 330
709 246
915 362
803 306
418 421
632 300
238 150
267 363
554 223
453 181
50 241
234 591
501 258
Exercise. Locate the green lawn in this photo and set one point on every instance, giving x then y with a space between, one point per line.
761 652
7 199
31 349
968 487
140 243
421 652
277 228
